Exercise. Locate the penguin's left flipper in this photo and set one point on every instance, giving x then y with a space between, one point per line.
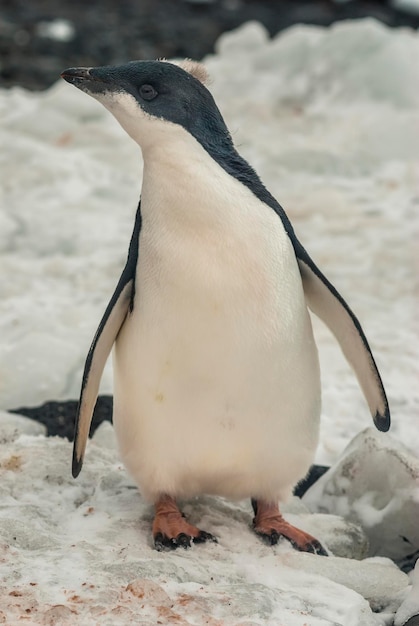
327 303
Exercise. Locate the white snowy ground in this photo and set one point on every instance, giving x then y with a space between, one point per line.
330 120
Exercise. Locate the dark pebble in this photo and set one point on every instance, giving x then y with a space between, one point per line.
60 417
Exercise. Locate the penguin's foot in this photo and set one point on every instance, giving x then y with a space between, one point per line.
171 530
269 524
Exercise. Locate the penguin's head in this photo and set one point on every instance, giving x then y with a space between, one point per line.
153 99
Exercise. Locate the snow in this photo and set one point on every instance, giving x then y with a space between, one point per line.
12 426
58 29
330 120
83 548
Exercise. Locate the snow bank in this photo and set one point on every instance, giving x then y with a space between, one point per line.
12 426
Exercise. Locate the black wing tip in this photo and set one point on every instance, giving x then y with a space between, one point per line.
76 465
382 421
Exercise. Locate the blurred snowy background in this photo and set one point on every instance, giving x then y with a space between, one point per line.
329 117
40 37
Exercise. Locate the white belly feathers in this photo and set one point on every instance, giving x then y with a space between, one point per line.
216 372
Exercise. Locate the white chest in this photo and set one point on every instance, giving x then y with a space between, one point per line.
219 347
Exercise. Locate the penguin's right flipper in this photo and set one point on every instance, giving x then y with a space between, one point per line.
100 349
327 303
121 303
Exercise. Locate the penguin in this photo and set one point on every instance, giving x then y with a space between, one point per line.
216 372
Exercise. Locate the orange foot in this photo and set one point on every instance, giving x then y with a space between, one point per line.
269 524
170 528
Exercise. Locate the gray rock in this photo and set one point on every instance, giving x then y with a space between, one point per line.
408 612
340 537
378 580
375 483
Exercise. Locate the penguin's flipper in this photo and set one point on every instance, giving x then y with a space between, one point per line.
102 343
327 303
118 308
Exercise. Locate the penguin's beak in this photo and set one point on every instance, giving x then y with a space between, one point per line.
76 75
95 81
88 79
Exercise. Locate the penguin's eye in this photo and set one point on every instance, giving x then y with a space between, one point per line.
147 92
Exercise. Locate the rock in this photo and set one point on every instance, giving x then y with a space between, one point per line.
59 416
378 580
12 426
408 612
375 483
341 537
58 614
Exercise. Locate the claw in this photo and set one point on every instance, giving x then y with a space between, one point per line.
204 536
318 549
171 530
312 547
160 542
182 540
271 538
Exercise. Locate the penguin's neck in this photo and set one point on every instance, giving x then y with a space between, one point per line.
184 185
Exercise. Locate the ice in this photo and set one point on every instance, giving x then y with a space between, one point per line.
330 120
